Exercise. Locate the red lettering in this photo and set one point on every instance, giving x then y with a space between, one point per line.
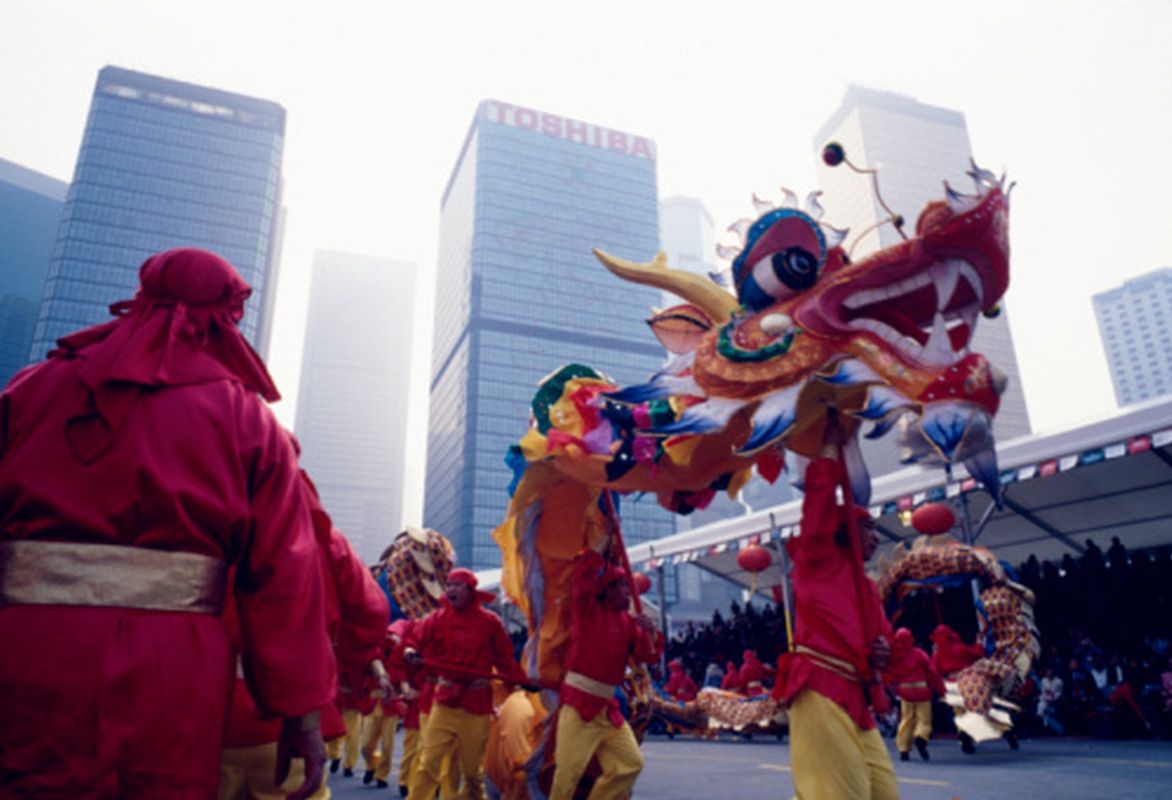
616 140
551 125
525 118
576 131
501 110
642 148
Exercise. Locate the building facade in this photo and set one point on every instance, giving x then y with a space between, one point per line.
1134 325
916 147
30 212
519 294
352 405
165 164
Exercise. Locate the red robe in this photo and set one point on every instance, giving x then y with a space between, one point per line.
679 685
473 638
828 618
949 652
112 698
910 672
601 640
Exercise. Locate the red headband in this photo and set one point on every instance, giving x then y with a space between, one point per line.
465 576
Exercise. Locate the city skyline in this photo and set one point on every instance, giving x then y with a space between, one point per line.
369 144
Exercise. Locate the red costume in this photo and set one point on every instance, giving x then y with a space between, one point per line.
752 674
601 641
136 464
949 652
731 682
832 639
910 671
679 685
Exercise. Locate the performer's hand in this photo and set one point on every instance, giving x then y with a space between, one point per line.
414 658
880 654
301 738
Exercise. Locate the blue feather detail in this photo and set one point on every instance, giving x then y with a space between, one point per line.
945 427
880 428
655 389
881 401
850 372
983 467
772 419
711 415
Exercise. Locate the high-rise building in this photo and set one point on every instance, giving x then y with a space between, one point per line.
30 211
352 404
165 164
1134 324
915 147
519 294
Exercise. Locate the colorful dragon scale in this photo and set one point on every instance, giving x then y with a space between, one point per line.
1007 608
884 339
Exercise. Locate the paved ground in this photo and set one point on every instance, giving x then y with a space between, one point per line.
1074 769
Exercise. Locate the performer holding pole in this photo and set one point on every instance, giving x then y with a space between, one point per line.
836 750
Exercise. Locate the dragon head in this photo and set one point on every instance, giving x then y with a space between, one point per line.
884 339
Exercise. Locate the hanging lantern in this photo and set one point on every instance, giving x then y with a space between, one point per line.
933 518
754 559
642 583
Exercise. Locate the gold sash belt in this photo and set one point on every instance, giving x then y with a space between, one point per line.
829 663
913 685
73 574
589 685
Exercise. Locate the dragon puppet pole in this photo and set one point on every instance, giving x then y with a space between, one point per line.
873 681
613 513
485 674
785 599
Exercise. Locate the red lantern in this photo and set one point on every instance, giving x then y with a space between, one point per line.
754 558
642 583
933 518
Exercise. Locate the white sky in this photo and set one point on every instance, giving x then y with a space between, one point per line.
1074 99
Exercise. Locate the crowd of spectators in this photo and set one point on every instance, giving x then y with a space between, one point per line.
1103 619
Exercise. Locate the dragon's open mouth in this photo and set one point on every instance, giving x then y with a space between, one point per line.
929 317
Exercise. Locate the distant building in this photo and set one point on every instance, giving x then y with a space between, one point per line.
165 164
519 294
1134 322
352 404
30 211
915 146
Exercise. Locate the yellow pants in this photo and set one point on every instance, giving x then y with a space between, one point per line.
246 773
378 743
410 751
577 740
915 722
352 719
450 731
832 758
449 769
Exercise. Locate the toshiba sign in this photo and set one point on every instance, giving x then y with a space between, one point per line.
565 128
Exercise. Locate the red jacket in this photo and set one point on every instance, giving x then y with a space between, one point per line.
601 641
910 673
949 652
679 685
473 638
830 619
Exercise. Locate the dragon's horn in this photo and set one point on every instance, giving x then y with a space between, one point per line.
718 304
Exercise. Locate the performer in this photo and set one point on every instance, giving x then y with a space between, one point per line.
732 678
752 674
680 685
356 613
137 463
379 746
603 636
950 655
412 694
460 637
911 675
836 750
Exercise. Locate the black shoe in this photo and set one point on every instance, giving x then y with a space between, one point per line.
337 762
1011 738
922 747
381 785
367 777
904 756
967 745
347 773
402 790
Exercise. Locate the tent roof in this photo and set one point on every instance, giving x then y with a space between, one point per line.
1110 477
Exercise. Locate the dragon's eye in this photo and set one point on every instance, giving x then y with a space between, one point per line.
779 276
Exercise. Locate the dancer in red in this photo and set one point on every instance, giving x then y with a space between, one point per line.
911 675
680 685
137 463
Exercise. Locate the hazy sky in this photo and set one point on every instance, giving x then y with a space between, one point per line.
1073 99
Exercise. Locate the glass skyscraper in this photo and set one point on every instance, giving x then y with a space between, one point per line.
30 211
164 164
352 407
519 294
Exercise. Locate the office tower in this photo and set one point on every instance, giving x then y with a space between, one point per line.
30 211
1134 322
916 147
164 164
519 294
352 404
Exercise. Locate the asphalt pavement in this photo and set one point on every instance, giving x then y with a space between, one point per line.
732 769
